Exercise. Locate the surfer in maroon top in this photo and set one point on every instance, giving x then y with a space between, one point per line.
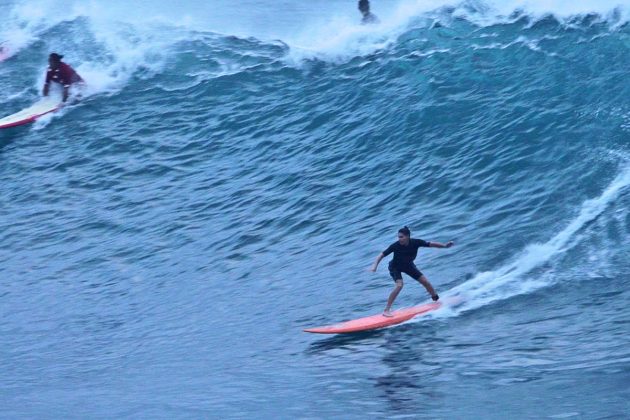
60 72
405 251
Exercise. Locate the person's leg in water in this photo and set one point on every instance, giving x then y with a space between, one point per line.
392 297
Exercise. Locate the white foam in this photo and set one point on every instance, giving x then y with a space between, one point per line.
137 38
559 8
342 36
121 50
511 279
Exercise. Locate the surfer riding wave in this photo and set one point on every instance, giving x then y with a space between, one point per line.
405 251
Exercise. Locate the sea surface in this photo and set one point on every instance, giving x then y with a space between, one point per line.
233 169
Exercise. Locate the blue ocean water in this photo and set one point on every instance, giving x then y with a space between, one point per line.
233 170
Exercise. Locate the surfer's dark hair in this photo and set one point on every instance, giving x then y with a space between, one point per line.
405 231
55 56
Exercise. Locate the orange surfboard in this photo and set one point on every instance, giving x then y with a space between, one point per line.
375 321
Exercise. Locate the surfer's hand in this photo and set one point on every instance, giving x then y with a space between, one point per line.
450 244
373 269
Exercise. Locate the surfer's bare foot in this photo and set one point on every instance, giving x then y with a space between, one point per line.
387 313
435 297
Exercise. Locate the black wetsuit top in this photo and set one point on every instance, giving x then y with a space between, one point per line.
404 255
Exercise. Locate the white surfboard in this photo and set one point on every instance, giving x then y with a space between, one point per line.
44 106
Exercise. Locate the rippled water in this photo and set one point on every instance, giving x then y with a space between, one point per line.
164 241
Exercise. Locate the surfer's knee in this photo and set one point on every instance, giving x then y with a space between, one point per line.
399 284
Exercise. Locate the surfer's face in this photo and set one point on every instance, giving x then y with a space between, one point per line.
403 239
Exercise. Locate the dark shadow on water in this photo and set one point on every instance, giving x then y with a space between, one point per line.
408 373
340 340
410 386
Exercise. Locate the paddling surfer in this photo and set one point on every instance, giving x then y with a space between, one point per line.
60 72
405 251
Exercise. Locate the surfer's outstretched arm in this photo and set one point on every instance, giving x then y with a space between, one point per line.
376 262
441 245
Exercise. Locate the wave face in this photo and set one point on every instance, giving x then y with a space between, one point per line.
231 172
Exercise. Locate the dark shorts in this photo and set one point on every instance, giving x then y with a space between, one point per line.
410 269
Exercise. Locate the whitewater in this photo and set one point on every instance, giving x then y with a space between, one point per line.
233 168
